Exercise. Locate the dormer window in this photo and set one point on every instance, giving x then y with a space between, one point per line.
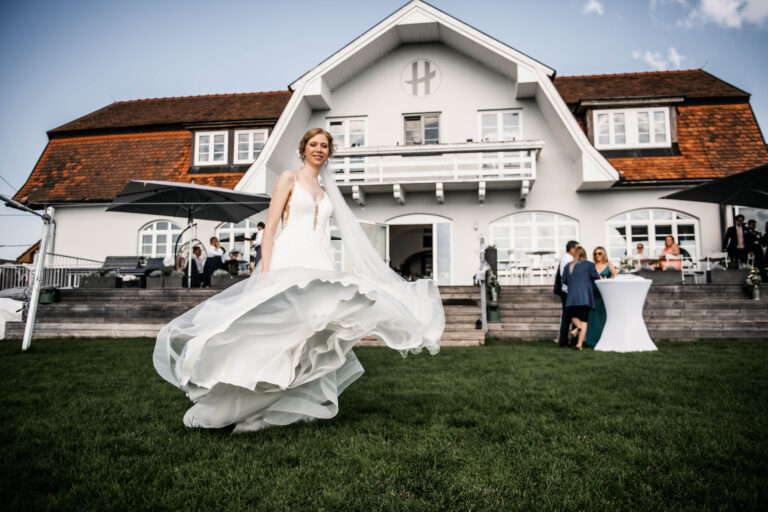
211 148
248 145
632 128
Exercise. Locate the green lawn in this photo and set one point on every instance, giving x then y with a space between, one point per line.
88 425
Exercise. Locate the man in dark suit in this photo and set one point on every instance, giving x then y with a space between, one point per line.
734 241
570 248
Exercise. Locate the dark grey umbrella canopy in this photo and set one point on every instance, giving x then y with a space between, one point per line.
748 188
187 200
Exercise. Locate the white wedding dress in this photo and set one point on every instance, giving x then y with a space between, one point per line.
277 348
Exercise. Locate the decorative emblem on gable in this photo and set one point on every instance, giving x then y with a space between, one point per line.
420 78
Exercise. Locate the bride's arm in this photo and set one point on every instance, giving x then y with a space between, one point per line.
276 207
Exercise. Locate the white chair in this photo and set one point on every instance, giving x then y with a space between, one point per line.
717 256
690 269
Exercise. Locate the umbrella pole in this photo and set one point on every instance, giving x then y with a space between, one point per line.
189 263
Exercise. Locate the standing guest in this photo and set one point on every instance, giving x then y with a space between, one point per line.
197 268
256 244
753 240
214 260
670 249
598 316
580 276
562 289
734 242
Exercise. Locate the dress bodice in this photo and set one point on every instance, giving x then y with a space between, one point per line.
304 213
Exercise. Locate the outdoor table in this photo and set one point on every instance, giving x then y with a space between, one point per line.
624 330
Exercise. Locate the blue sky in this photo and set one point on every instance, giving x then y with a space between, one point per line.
63 60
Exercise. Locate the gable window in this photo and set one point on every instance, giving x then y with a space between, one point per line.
632 128
211 148
348 132
158 239
500 125
422 129
248 145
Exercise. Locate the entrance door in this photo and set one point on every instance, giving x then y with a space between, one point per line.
378 235
420 247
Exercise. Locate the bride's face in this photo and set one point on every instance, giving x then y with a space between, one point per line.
316 150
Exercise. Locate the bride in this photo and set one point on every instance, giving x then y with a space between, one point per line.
277 348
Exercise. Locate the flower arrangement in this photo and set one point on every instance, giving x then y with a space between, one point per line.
753 279
493 283
627 265
220 272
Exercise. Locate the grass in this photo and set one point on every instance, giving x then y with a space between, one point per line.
88 425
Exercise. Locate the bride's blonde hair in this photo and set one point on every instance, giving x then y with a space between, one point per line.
311 133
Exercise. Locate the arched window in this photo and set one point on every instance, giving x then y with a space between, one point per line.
157 239
518 234
238 235
650 227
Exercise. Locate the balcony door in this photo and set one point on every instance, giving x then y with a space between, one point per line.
419 247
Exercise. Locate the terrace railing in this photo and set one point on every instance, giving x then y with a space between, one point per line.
59 270
437 163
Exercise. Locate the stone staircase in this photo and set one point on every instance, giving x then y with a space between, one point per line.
134 312
672 312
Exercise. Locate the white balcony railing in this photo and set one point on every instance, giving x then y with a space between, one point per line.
438 163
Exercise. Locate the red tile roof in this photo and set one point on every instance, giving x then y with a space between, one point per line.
182 110
96 168
714 140
692 84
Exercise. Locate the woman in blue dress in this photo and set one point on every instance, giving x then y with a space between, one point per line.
580 276
598 315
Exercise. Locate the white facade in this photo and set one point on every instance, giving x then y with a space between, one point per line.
380 81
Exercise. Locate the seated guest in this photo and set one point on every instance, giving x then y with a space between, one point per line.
598 316
197 268
670 249
640 258
579 276
214 260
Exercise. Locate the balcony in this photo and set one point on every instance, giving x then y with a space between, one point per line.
437 167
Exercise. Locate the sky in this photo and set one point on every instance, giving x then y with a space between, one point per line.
64 59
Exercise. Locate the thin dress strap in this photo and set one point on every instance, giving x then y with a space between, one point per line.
287 207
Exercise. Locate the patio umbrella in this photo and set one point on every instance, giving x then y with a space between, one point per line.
748 188
189 201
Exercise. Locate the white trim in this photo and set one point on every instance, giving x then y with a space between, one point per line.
212 134
631 128
251 133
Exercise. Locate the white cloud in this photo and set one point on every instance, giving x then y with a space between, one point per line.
657 61
674 58
726 13
593 6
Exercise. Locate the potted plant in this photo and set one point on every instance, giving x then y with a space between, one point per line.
627 265
130 281
47 295
155 279
221 279
752 283
172 278
101 279
492 307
